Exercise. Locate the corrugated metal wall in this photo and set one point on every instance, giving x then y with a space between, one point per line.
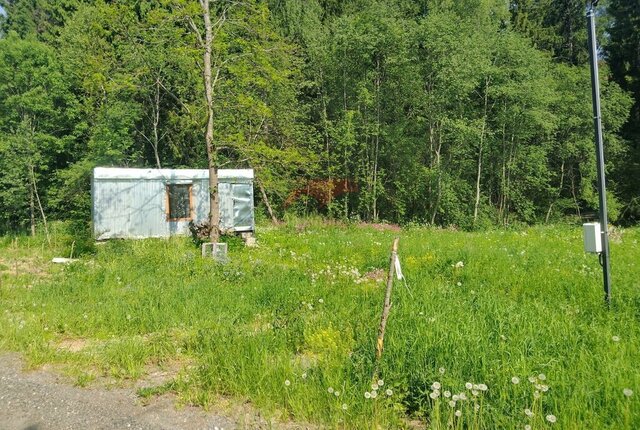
126 208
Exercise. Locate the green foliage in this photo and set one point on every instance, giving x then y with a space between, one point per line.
469 113
621 50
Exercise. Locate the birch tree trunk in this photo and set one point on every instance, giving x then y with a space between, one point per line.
214 204
480 149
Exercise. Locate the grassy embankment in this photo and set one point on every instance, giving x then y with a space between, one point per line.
291 325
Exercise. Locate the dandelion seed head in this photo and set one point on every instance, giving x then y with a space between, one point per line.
330 390
380 382
476 407
434 395
442 370
527 427
287 382
320 300
616 338
627 392
455 397
436 385
536 394
462 396
551 418
389 392
304 375
452 403
337 393
458 413
374 386
447 394
374 394
542 377
344 406
544 388
515 380
468 385
482 387
533 379
528 413
367 395
475 392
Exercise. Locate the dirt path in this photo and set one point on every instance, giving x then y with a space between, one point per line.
39 400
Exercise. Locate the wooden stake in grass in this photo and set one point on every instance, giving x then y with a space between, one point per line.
387 301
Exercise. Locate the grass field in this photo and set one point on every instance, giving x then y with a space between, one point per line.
498 329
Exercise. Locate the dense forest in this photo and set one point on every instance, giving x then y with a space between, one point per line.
471 113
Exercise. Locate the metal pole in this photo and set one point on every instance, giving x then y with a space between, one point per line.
595 88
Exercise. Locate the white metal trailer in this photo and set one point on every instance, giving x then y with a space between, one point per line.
140 203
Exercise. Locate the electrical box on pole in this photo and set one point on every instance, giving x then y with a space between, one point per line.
592 237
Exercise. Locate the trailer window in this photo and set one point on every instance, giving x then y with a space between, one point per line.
179 202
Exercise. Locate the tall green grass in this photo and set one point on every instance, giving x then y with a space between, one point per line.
291 325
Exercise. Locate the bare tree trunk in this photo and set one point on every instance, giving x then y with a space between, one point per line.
438 157
480 149
214 204
35 192
32 211
376 151
156 122
546 220
265 199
